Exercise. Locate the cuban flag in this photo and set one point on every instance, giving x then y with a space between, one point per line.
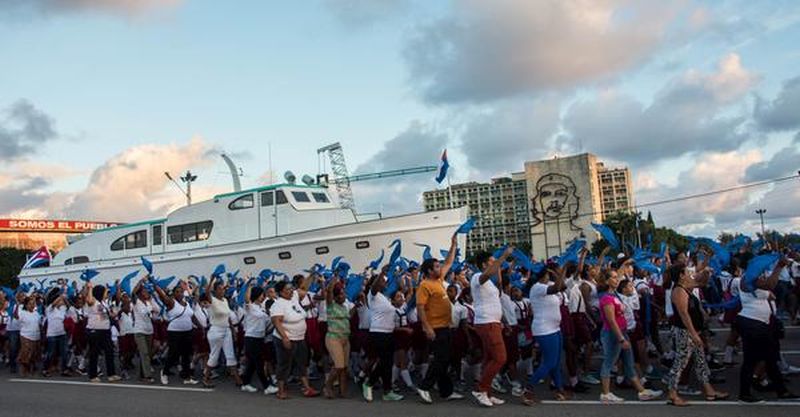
39 258
443 168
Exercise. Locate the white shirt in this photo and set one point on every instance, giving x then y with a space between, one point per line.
363 317
125 324
255 320
457 313
219 313
201 314
143 312
509 310
98 316
180 318
29 322
631 305
381 313
485 301
13 324
294 317
576 302
755 305
55 320
546 310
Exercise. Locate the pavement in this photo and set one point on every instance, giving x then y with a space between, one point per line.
38 397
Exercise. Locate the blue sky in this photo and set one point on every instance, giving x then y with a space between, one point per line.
123 83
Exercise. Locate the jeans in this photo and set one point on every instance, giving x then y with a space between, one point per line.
759 343
13 349
550 346
144 343
611 352
494 353
437 370
57 345
100 342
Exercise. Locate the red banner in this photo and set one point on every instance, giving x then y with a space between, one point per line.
55 226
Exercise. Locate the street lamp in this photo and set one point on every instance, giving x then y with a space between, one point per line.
760 213
187 179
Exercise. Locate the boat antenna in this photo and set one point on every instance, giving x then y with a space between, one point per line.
237 185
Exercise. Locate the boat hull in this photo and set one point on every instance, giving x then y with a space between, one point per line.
358 244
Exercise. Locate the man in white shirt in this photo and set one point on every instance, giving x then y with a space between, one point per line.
488 323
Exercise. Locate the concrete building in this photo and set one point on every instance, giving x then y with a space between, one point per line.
501 207
616 189
551 203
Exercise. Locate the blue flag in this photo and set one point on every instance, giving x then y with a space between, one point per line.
756 267
445 165
125 284
398 247
353 286
218 271
165 283
607 234
88 274
467 226
147 265
377 262
426 252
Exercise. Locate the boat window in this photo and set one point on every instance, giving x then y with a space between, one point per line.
135 240
322 250
285 255
362 244
280 197
267 199
190 232
243 202
321 197
300 197
157 231
77 260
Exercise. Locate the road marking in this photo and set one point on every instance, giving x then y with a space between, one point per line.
663 403
111 385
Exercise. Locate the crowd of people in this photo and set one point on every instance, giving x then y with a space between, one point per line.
496 325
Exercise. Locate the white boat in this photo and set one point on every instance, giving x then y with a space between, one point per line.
286 227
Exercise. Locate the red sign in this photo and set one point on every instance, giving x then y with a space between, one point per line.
56 226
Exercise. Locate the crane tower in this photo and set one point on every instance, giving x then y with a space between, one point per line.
340 174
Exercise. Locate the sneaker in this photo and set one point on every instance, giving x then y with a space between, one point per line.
649 394
95 380
271 390
496 401
164 378
454 396
589 379
498 387
517 390
114 378
790 370
392 396
248 388
190 381
482 399
750 399
610 398
366 391
424 396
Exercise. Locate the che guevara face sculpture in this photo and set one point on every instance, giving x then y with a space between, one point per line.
555 198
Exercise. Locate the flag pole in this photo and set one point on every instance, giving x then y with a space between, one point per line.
450 191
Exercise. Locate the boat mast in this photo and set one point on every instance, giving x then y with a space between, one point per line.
237 185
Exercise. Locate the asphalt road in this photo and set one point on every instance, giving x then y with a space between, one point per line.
76 397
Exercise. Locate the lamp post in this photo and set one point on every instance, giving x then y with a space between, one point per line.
760 213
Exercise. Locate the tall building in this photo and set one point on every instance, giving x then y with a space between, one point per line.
616 189
500 206
551 203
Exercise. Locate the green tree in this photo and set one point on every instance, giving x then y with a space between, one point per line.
11 261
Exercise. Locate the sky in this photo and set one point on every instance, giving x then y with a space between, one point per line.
99 97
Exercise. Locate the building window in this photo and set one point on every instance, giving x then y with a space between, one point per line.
133 240
191 232
320 197
157 231
322 250
77 260
362 244
300 197
285 255
243 202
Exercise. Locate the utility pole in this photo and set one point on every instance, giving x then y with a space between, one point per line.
760 213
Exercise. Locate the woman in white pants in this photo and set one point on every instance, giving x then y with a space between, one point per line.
220 338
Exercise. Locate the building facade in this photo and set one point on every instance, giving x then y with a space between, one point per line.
500 206
547 206
616 189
